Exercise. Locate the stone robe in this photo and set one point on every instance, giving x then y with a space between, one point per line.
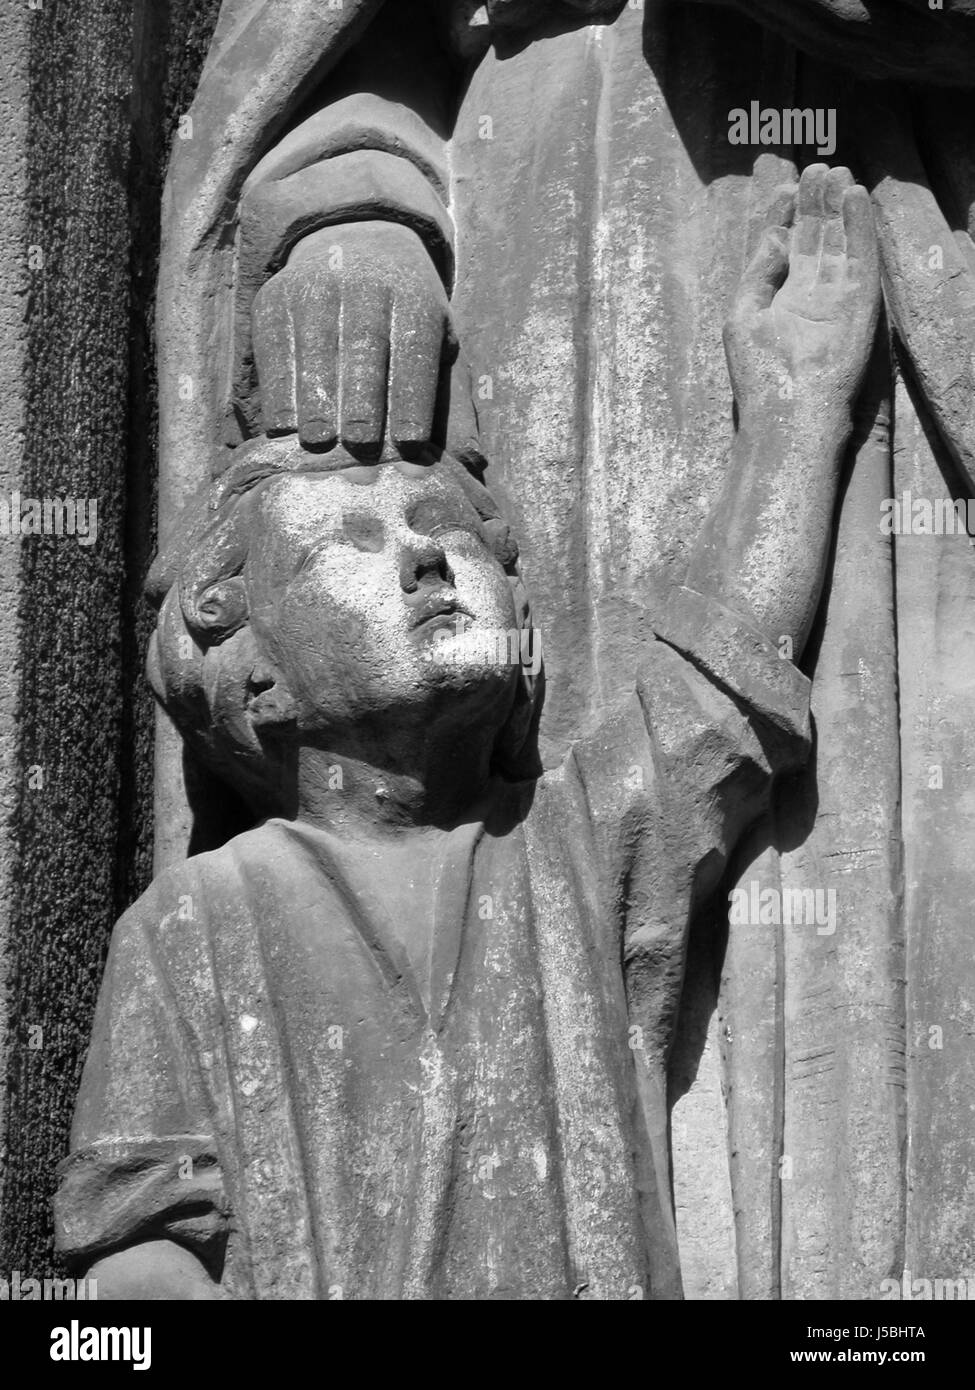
275 1085
597 220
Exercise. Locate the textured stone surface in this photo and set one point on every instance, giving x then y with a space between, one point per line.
934 587
70 687
79 416
14 126
292 663
601 222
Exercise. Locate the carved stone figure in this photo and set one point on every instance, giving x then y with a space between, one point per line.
415 248
408 1037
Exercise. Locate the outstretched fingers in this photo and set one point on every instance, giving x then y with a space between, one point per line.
274 357
419 331
838 181
811 211
765 273
782 209
862 252
834 238
317 363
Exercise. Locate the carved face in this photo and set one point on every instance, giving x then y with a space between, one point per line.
374 592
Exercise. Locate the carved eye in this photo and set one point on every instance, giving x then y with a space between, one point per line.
358 529
439 516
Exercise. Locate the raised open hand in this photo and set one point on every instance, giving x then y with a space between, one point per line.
803 321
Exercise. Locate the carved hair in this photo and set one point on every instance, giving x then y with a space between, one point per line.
197 586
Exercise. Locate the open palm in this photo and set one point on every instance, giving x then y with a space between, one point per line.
804 318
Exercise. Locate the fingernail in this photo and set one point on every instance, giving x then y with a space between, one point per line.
318 432
359 432
411 432
280 424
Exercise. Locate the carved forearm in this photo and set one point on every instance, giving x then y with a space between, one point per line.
763 550
798 340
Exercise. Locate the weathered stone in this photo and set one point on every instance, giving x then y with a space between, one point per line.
484 1086
727 1085
80 209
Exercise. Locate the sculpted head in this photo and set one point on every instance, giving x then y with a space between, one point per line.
316 601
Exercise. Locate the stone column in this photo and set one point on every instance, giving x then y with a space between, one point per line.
14 121
90 96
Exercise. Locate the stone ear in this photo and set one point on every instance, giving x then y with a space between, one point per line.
217 611
502 541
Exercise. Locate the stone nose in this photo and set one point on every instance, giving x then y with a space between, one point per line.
423 562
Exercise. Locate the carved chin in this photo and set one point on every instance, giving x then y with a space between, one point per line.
478 652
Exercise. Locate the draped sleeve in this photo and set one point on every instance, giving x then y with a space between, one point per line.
714 713
672 774
143 1163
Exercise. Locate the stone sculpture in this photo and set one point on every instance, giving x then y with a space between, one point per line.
508 234
408 1037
